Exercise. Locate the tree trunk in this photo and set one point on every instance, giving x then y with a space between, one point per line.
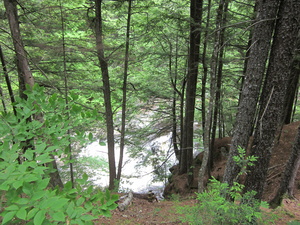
8 83
123 122
25 75
274 93
107 97
219 49
293 84
188 130
289 175
262 34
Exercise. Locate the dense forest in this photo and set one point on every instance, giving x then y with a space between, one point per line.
125 72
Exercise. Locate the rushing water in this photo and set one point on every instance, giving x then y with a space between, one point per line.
133 178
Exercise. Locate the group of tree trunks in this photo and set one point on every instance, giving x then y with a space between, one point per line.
270 84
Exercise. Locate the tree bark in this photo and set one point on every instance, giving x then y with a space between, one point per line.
107 97
274 93
293 84
289 175
188 130
123 122
262 34
219 54
25 75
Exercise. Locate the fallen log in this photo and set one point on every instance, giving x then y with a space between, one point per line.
122 206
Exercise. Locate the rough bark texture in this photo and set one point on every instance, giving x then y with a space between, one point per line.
188 130
274 92
219 47
25 75
262 34
289 175
107 98
293 83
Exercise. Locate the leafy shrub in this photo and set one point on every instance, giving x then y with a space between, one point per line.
214 208
27 148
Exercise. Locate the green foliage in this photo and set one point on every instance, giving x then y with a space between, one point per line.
213 207
27 149
243 161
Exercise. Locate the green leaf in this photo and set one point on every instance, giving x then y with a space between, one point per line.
32 213
4 187
80 201
28 155
22 213
55 203
17 184
38 195
40 148
12 208
88 217
44 158
8 217
59 216
70 210
42 184
39 217
101 143
22 201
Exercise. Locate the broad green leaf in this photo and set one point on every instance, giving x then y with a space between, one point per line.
32 213
30 177
101 143
40 148
44 158
8 217
54 203
22 201
39 217
58 216
88 217
42 184
70 210
80 201
4 187
78 222
22 213
38 195
28 155
12 208
17 184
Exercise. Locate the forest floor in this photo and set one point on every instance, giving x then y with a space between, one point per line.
142 212
165 212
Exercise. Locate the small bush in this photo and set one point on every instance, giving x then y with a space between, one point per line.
214 208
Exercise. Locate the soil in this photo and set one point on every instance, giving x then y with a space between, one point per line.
164 212
142 212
